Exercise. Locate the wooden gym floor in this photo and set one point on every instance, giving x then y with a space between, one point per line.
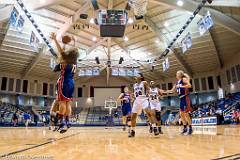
98 143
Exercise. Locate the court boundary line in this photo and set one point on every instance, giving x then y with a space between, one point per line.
230 156
36 146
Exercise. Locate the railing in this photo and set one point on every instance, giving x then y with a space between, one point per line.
230 108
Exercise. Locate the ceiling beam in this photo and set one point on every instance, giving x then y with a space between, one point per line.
159 34
8 2
34 62
35 5
139 63
96 45
219 59
5 12
73 19
183 63
218 17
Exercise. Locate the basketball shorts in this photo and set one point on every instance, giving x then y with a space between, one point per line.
139 104
65 90
126 109
155 105
185 104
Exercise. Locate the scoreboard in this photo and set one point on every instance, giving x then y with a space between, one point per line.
112 22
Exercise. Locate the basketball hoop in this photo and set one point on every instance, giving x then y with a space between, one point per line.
110 103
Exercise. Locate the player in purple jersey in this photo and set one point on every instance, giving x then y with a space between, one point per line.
126 99
182 87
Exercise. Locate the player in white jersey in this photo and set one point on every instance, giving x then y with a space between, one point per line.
155 105
141 90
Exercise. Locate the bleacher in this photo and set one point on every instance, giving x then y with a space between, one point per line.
223 107
99 116
6 113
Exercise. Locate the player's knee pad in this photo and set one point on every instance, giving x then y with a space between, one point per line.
158 115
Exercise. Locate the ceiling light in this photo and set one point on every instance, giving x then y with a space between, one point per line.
130 21
125 38
180 3
94 39
166 24
157 41
149 53
92 21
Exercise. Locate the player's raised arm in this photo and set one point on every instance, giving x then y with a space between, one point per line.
54 38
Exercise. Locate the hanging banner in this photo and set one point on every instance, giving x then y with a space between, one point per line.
34 41
20 24
52 63
186 43
115 72
95 71
13 17
165 64
205 23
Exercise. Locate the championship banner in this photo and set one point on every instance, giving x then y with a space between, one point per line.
34 41
91 71
13 17
186 43
205 23
115 72
52 63
95 71
165 65
20 24
125 71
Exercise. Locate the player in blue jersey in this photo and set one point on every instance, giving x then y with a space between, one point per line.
65 82
126 99
182 87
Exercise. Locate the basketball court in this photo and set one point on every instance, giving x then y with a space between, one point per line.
98 143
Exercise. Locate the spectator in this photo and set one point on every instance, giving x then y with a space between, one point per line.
35 119
44 120
238 106
220 93
15 119
235 116
26 117
238 110
2 118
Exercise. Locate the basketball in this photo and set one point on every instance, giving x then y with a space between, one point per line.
66 39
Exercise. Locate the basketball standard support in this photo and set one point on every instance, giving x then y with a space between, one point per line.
110 104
